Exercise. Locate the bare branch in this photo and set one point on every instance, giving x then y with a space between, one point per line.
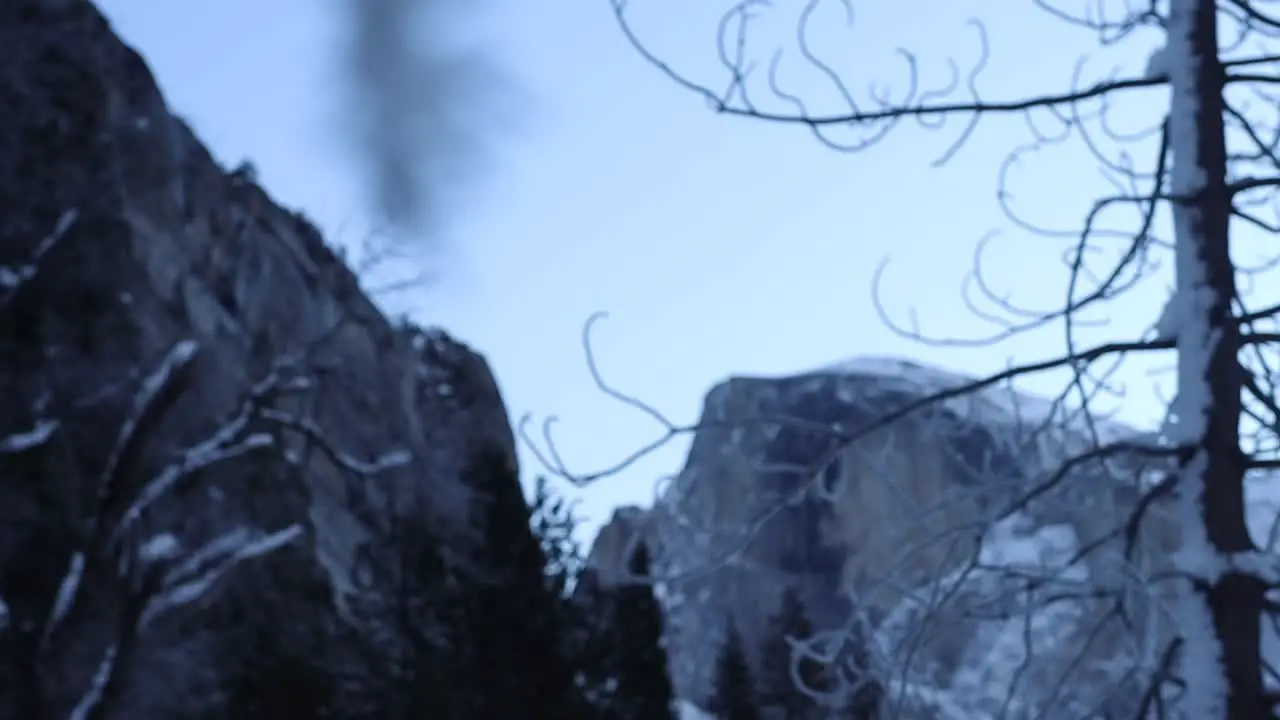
22 442
193 577
159 391
14 278
1216 174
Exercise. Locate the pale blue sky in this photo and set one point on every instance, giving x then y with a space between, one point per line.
718 245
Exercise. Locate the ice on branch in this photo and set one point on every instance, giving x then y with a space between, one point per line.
1158 63
29 439
13 277
164 546
1171 319
66 596
195 460
194 577
97 686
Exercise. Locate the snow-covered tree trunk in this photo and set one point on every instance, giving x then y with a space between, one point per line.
1220 615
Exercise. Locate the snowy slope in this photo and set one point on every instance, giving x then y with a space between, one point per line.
1029 630
1008 667
1000 406
997 405
1036 660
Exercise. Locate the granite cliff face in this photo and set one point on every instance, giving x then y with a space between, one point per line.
901 526
148 298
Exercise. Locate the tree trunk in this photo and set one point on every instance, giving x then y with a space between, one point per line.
1221 661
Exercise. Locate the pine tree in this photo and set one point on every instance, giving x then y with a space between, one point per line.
513 622
642 689
594 650
733 695
778 687
555 525
432 629
273 642
406 605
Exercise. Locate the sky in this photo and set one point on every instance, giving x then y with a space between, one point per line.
719 246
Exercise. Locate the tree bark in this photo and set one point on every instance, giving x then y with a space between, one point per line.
1213 467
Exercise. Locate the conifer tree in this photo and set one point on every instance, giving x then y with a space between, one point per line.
593 651
642 684
778 688
733 694
514 624
555 525
409 632
274 657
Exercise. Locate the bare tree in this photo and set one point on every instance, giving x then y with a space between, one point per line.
123 570
1212 176
153 575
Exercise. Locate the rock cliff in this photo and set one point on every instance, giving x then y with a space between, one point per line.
930 527
162 321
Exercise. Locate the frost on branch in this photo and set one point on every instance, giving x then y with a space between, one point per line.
164 546
1158 63
158 392
192 578
1171 318
38 435
68 589
128 557
14 277
194 460
102 675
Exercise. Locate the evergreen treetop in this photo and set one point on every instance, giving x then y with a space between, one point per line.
733 693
